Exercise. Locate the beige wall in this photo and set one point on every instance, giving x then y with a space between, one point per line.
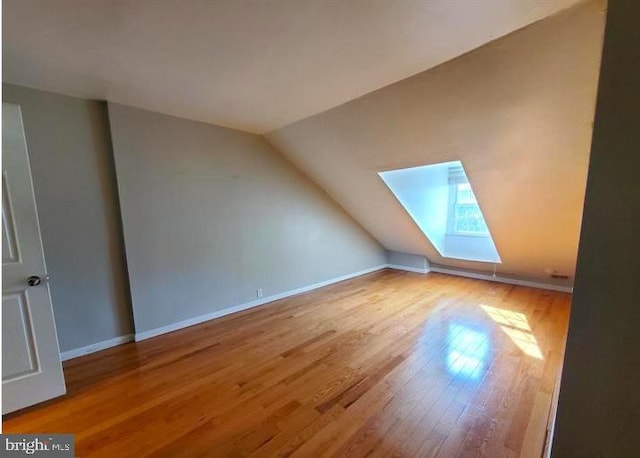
75 188
599 405
518 112
211 214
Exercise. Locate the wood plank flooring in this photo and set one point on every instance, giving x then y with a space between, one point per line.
388 364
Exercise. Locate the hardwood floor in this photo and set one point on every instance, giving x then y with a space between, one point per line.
388 364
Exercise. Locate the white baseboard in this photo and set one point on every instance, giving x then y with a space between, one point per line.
499 279
265 300
424 270
70 354
238 308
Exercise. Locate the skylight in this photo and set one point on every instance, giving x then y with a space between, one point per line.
441 201
466 217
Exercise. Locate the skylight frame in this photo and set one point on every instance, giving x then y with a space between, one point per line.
425 194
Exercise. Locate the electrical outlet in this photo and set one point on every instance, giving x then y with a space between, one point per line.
259 293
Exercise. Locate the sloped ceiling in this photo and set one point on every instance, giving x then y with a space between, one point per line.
517 112
251 65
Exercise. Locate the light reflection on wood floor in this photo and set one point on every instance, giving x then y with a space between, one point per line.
388 364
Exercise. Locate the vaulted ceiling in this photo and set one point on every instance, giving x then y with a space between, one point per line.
251 65
350 89
517 112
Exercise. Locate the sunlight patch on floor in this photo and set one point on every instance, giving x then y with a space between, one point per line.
516 326
468 350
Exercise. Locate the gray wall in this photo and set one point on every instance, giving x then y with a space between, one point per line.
76 194
412 261
211 214
599 404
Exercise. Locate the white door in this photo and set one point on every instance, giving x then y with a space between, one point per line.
31 368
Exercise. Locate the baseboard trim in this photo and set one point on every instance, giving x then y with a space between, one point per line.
239 308
418 270
500 279
98 346
88 349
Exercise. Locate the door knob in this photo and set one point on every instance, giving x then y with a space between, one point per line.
34 280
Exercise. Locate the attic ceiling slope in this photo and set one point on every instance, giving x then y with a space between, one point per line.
517 113
254 66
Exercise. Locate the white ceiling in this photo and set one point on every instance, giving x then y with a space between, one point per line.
251 65
517 112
